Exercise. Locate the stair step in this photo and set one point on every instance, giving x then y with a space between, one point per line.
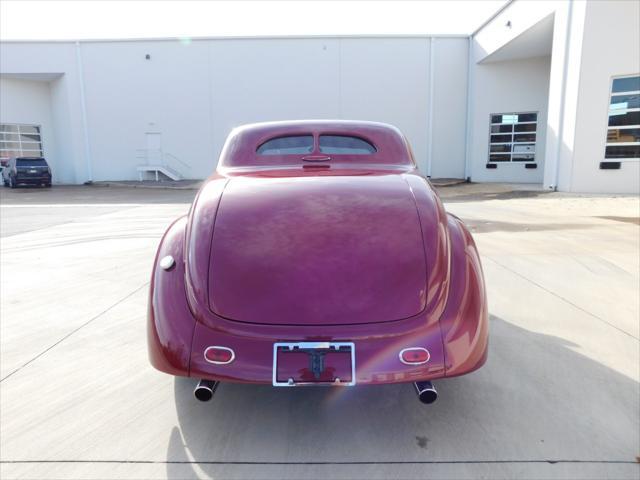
163 169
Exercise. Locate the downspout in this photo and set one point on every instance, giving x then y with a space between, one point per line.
467 124
83 114
432 44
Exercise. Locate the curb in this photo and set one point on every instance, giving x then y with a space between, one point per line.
190 186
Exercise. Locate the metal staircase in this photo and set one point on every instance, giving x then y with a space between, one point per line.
158 170
161 165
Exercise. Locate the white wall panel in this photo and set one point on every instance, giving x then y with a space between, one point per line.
128 96
272 79
387 80
450 107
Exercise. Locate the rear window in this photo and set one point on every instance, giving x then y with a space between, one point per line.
345 145
31 162
292 145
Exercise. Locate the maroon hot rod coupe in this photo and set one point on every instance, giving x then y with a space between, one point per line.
316 254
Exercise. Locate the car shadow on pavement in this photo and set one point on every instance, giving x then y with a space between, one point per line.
537 398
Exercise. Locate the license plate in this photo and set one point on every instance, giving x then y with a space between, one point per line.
33 171
314 363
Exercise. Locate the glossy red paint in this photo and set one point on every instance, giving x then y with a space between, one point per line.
271 234
314 247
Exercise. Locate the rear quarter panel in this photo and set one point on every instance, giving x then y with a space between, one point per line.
170 324
464 321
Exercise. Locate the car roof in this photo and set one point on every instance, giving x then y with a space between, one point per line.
240 148
284 125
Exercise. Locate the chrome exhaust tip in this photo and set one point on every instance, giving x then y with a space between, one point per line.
426 392
205 389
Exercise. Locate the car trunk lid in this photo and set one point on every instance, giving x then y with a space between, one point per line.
317 251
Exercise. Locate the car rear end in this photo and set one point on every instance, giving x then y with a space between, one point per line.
317 255
32 171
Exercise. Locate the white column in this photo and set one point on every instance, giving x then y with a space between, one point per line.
564 79
83 113
469 118
432 51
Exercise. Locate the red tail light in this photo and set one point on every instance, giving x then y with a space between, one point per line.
414 356
219 355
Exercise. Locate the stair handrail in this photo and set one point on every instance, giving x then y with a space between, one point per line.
167 160
171 156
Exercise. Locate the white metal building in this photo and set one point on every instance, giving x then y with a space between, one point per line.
545 92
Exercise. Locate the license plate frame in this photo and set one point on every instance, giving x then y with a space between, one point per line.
313 346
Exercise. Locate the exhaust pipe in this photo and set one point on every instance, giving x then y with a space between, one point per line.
205 389
426 392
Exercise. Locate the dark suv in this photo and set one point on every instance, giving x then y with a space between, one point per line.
26 170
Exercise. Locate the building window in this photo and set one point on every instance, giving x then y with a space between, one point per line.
20 140
623 131
512 137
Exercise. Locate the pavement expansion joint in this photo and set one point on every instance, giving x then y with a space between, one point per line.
76 330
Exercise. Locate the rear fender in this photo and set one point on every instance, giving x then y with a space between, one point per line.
197 244
434 225
464 322
170 323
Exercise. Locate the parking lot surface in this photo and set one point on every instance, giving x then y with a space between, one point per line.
558 398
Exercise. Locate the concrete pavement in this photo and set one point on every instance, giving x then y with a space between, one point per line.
558 398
